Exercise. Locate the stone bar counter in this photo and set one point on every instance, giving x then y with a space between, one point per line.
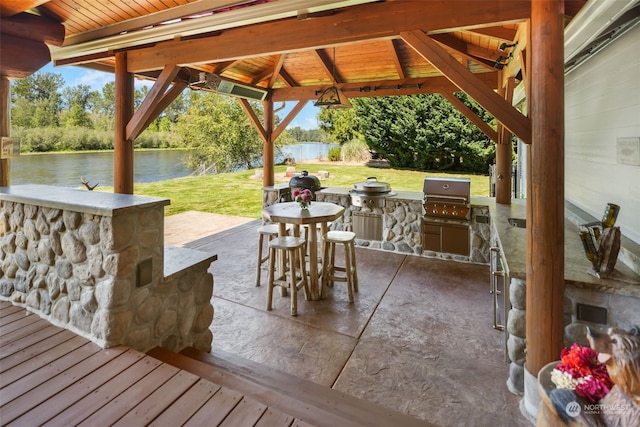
95 263
600 303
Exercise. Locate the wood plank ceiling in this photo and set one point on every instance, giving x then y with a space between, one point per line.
287 46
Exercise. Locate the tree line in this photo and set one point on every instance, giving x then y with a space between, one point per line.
420 132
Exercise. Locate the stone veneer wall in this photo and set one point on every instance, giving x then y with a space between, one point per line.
402 227
80 272
622 312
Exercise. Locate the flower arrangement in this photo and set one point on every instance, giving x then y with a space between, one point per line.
303 197
580 370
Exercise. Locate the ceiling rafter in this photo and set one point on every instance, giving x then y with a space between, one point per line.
393 50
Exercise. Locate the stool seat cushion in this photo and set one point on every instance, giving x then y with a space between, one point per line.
339 236
287 242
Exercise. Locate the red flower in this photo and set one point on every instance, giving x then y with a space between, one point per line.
582 364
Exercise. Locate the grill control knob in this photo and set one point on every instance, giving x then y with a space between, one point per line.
445 212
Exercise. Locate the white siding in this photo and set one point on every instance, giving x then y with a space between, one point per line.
602 104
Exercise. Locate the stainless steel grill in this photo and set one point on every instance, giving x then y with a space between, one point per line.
447 197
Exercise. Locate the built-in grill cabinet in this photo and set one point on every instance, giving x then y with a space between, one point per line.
447 210
445 237
367 225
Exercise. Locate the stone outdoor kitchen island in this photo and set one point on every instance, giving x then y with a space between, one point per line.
95 263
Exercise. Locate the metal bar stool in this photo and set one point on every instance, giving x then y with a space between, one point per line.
271 232
347 238
292 248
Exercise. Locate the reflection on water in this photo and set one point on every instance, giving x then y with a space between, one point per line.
66 169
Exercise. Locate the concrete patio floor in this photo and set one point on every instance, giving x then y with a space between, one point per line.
418 337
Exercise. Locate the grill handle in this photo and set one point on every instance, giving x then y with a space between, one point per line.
441 197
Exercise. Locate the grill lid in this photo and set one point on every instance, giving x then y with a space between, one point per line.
447 189
372 186
305 181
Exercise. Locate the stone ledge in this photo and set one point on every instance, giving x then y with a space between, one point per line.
84 201
177 260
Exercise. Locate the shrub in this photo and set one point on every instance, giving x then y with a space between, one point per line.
356 150
335 154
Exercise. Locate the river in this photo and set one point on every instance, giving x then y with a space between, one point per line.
66 169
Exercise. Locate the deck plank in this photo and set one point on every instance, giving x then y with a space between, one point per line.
35 349
18 322
273 417
131 397
215 409
4 321
246 413
47 386
8 308
29 382
186 405
26 341
158 401
26 328
80 389
104 394
31 362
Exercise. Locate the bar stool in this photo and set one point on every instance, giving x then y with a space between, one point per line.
293 249
271 232
347 238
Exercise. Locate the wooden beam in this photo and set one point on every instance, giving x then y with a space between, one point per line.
484 57
393 50
13 7
349 25
504 156
169 96
33 27
284 123
123 147
5 127
468 112
141 117
380 88
255 121
21 57
268 160
545 201
469 83
501 33
287 79
276 70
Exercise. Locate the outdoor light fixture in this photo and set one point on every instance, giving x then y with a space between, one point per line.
333 97
504 46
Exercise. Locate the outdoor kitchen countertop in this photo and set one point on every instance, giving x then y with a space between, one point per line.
512 242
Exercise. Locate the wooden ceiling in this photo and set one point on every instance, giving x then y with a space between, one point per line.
288 45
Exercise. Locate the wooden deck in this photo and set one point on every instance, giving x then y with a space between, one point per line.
50 376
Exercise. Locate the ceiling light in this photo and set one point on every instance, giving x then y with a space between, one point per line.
333 97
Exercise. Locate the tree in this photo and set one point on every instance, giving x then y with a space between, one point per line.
79 101
340 124
218 131
36 101
424 132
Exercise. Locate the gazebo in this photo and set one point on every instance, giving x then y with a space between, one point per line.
499 52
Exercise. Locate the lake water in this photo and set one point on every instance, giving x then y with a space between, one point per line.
66 169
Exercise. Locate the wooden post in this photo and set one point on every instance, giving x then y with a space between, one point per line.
545 208
268 177
123 148
5 127
503 149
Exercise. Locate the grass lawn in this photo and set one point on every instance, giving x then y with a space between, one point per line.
239 194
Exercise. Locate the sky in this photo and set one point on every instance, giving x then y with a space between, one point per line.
74 76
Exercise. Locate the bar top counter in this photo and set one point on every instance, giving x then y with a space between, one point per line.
512 243
85 201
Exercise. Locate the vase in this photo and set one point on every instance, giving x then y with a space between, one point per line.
304 206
